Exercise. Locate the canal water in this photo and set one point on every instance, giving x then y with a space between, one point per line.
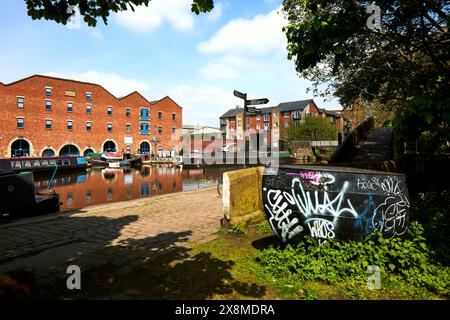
105 185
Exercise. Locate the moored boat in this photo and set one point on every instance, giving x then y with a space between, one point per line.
21 164
19 198
112 156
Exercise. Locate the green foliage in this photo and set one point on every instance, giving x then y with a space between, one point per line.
263 227
409 260
312 129
432 210
236 230
404 66
90 10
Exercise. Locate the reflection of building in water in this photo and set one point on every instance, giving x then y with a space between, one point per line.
112 185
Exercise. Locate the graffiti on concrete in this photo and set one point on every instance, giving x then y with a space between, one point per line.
328 203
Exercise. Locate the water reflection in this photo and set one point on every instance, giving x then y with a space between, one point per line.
105 185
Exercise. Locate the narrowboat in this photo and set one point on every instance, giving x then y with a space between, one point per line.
21 164
19 198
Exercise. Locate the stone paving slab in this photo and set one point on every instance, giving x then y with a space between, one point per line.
48 244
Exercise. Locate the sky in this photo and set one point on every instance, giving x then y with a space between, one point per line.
163 50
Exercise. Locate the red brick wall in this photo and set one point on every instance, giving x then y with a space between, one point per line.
35 114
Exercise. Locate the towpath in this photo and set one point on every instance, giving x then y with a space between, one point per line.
46 246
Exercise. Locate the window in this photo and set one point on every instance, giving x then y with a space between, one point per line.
159 130
20 123
88 96
128 128
145 128
48 91
88 126
258 126
109 111
145 114
159 115
20 102
174 116
128 112
88 109
286 114
286 124
266 127
48 124
247 120
258 116
48 105
266 117
69 125
297 114
109 127
174 130
128 148
69 106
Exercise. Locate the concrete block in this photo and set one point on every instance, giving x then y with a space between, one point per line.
242 196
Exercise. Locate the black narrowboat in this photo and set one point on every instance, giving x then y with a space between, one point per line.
19 198
21 164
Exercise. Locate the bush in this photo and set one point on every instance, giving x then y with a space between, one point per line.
408 259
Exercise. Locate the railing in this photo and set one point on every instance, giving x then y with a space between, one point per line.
345 151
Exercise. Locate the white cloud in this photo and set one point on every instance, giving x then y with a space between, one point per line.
244 44
258 36
216 13
218 70
177 13
202 104
114 83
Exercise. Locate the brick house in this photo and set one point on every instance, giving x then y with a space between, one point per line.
280 117
47 116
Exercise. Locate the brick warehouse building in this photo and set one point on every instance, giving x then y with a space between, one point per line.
45 115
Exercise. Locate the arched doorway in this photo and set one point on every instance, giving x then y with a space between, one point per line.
109 146
48 153
20 148
87 151
144 147
69 150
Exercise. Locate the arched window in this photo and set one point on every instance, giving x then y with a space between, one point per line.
20 148
144 147
87 151
109 146
69 150
48 153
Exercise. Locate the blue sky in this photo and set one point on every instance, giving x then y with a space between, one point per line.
163 50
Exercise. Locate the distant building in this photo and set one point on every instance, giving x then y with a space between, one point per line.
45 116
281 117
197 129
335 117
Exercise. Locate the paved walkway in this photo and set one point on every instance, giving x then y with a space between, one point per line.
48 245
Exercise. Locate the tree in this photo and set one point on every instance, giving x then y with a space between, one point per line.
61 10
312 129
401 65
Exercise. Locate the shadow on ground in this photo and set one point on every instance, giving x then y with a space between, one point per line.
159 267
